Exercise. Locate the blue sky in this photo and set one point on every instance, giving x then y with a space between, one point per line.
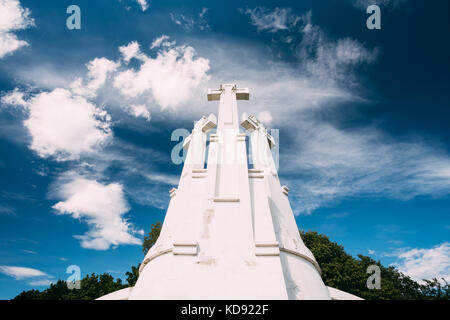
362 118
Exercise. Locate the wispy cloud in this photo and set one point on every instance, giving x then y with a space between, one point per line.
189 22
422 264
274 20
34 277
13 17
41 283
29 251
186 22
20 273
338 215
324 58
6 210
331 60
158 42
332 164
395 242
17 196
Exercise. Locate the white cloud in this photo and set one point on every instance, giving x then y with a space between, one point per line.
265 117
9 43
427 264
137 111
170 77
131 51
22 272
143 3
272 21
101 206
14 98
12 17
99 69
159 41
62 125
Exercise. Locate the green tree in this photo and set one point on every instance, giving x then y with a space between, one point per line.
436 289
29 295
149 241
94 286
56 291
133 275
91 287
153 235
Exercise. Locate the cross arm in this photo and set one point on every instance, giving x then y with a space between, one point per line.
241 93
251 124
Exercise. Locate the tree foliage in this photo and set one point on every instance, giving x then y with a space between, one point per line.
91 287
133 275
153 235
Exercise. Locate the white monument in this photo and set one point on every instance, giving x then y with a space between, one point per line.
229 231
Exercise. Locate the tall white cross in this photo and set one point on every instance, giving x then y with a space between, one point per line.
227 94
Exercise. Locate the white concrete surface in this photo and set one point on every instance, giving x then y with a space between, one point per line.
336 294
122 294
